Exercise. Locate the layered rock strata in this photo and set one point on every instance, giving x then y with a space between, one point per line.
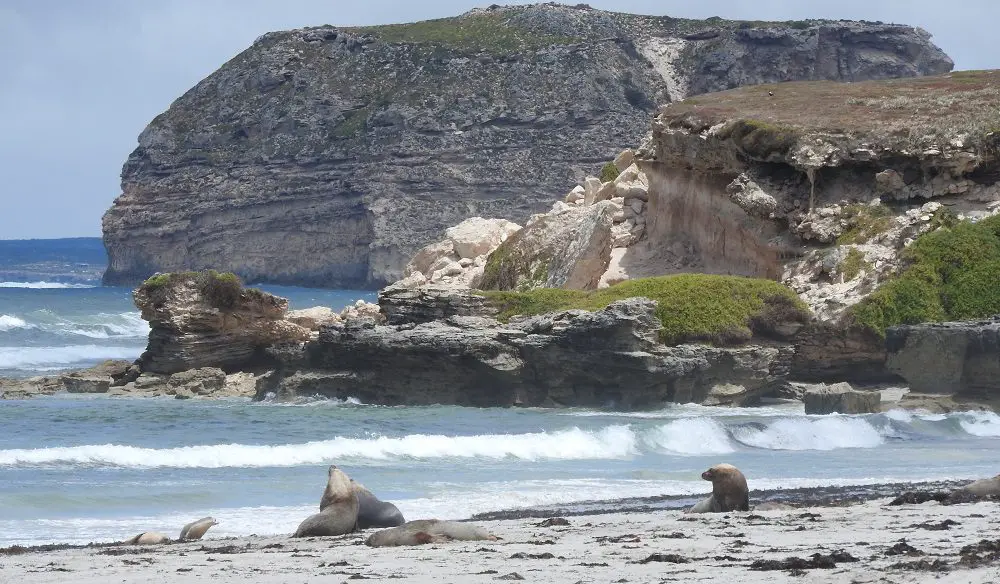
606 358
326 156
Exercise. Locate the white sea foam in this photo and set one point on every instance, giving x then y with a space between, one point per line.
985 424
690 436
571 444
108 326
42 358
826 433
9 323
43 284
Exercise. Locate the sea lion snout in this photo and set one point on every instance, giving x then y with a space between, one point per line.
707 475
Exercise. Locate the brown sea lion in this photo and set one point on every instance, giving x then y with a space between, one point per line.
339 506
729 491
424 531
147 538
980 489
372 511
196 529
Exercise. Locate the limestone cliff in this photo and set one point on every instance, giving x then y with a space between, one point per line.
326 156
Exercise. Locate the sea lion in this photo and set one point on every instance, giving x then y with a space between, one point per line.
339 514
147 538
372 511
424 531
196 529
981 489
729 491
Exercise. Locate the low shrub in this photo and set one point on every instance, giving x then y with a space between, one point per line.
949 274
691 307
609 172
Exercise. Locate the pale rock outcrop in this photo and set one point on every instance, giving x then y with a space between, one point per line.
591 186
476 236
568 248
458 261
624 159
313 318
192 327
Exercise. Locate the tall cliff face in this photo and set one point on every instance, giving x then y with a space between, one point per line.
325 156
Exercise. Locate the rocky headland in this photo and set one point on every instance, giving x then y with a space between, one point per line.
326 156
773 241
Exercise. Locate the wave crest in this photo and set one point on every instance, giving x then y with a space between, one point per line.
828 433
570 444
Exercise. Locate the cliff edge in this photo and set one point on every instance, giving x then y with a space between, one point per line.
326 156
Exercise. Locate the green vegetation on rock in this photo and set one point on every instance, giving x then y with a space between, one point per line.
760 139
853 264
723 310
609 172
489 32
950 274
221 290
864 222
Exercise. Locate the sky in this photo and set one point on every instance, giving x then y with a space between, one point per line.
81 79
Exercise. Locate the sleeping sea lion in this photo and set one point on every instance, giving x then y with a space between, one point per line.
729 491
147 538
339 506
424 531
976 490
196 529
372 511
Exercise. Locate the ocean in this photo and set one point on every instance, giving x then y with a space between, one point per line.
80 469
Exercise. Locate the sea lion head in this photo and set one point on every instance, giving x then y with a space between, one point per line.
719 471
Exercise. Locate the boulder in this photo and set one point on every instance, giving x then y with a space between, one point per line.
205 381
428 256
624 159
569 249
591 186
632 183
477 236
841 398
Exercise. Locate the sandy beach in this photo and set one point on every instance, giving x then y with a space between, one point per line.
853 544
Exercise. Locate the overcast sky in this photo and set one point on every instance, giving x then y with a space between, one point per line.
81 78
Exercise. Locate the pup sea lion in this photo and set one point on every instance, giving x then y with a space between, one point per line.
729 491
372 511
147 538
424 531
339 506
196 529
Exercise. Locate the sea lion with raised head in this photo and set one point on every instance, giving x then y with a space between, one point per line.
147 538
729 491
424 531
196 529
372 511
339 508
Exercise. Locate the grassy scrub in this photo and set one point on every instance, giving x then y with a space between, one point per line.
952 273
221 290
722 310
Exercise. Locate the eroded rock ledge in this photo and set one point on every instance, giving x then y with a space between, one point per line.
606 358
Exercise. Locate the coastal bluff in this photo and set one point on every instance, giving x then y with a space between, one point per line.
326 156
